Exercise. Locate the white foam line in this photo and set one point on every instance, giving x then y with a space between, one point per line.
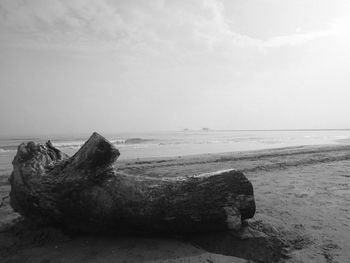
213 173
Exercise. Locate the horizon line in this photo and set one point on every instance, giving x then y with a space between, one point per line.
180 130
327 129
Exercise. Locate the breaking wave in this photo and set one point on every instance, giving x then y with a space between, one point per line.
6 149
131 141
118 142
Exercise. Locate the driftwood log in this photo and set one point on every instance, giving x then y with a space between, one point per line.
86 193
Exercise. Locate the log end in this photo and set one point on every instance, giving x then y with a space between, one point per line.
95 153
35 152
29 169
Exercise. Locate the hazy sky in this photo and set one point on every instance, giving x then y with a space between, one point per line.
113 66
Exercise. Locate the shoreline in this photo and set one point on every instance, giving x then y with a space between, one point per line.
302 193
266 152
245 161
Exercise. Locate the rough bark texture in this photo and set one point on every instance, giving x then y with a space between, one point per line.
87 193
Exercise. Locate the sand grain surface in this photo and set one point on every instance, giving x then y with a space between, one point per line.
302 196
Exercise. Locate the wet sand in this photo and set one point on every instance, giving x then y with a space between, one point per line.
302 196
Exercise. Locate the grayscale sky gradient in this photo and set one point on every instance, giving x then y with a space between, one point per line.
114 66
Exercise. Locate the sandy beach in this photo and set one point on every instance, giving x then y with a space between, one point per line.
302 197
174 131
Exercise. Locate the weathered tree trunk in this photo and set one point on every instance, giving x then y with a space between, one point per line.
87 193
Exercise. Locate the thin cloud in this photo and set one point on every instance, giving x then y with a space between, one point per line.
155 27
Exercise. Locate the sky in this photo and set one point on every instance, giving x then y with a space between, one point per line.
76 66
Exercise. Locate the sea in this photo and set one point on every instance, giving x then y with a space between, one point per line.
180 143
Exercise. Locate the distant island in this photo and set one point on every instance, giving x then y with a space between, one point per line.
203 129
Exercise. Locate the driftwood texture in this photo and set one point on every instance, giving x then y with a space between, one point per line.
86 193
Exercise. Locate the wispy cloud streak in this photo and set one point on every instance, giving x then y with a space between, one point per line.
151 27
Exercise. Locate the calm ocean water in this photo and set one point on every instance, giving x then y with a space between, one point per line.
162 144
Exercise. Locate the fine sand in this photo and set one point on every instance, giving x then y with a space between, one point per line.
303 214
